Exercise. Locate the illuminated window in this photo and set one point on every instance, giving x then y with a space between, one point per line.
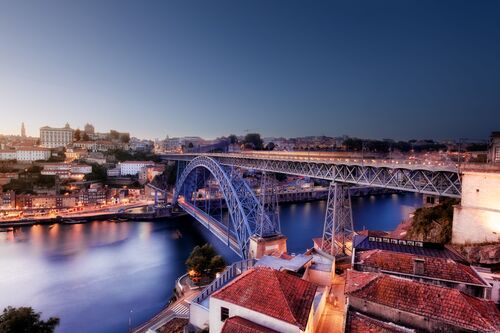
497 154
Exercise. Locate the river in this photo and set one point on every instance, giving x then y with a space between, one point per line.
95 276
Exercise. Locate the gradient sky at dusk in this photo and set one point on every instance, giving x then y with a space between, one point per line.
373 69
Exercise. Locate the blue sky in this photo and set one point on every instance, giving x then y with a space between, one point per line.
373 69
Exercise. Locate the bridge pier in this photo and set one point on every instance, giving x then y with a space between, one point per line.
338 227
261 246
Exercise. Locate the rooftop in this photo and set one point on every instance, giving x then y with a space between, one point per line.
359 323
438 268
273 293
293 263
439 303
241 325
405 246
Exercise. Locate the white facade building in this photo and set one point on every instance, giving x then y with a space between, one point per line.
7 155
477 218
32 154
132 168
51 137
263 300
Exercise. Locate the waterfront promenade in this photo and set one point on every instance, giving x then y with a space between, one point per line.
88 214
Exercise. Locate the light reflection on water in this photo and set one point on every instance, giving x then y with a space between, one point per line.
91 275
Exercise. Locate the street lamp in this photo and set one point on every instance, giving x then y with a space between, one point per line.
130 321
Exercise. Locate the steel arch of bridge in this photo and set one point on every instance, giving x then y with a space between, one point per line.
243 206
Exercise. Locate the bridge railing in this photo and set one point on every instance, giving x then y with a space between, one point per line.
229 274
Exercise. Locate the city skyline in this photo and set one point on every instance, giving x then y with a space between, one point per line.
219 68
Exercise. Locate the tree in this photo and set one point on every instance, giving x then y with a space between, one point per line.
353 144
233 139
204 262
77 135
98 173
190 145
270 146
125 137
254 141
114 135
85 137
25 320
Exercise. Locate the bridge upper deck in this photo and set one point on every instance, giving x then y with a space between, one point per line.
414 175
411 163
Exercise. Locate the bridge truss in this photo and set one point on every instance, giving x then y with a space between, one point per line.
245 210
338 229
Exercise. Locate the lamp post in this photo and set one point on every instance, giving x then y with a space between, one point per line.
130 321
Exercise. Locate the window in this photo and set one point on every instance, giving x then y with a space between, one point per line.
224 313
497 154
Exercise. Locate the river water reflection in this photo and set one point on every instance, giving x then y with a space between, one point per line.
95 275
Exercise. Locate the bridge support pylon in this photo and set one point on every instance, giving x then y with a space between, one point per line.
261 246
338 227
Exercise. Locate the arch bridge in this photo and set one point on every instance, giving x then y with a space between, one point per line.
425 177
247 215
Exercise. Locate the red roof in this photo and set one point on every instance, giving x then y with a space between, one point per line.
241 325
273 293
439 268
359 323
439 303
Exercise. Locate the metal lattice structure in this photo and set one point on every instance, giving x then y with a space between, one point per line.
268 222
338 227
243 206
427 179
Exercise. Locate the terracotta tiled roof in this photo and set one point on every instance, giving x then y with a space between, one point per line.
359 323
273 293
439 268
439 303
241 325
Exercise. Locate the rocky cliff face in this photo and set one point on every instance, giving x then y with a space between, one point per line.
481 254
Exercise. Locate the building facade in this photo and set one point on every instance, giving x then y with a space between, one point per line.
132 168
494 153
51 137
32 154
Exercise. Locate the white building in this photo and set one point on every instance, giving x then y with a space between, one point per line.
32 154
476 218
25 154
132 168
113 172
66 170
51 137
494 153
263 300
7 155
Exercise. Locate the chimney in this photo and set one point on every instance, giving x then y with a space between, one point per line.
418 266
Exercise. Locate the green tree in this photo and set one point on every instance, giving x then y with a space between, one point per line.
125 137
270 146
190 145
353 144
78 135
233 139
254 141
98 173
85 137
204 261
25 320
114 135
